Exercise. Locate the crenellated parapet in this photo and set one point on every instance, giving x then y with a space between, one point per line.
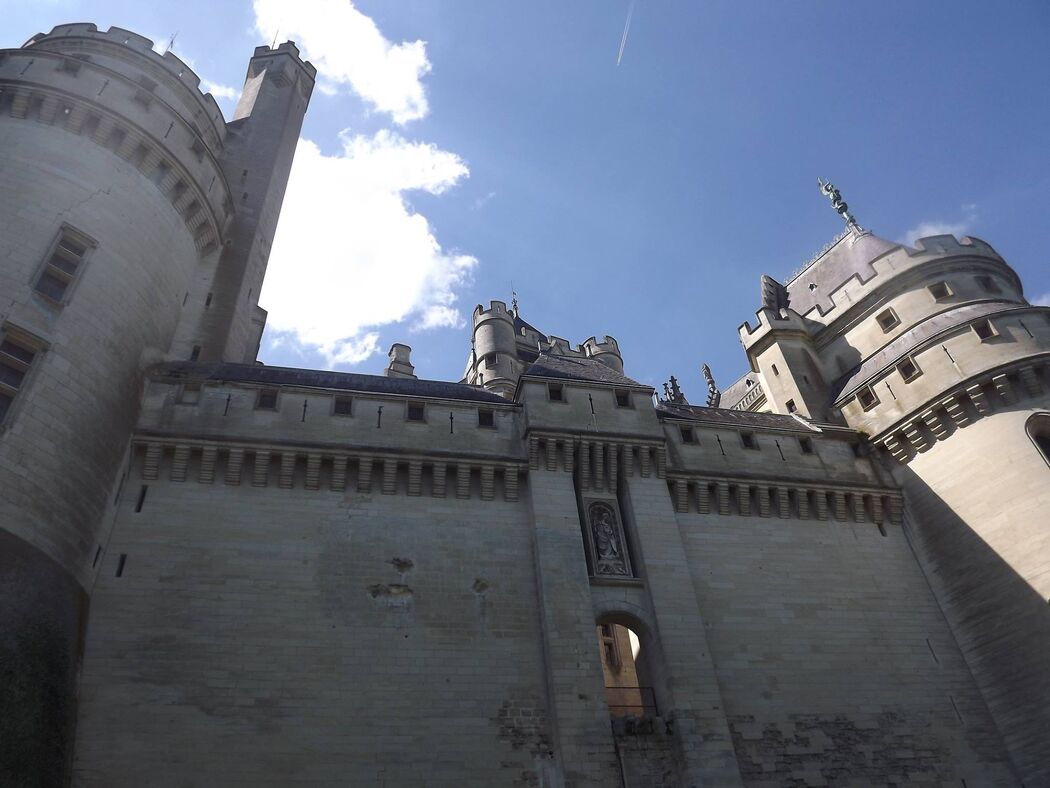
113 89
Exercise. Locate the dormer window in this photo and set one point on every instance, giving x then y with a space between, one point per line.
887 320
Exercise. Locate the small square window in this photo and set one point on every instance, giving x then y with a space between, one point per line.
887 319
983 329
688 436
909 370
749 440
190 394
343 406
623 399
940 291
806 444
556 392
867 398
988 284
486 418
415 412
266 400
858 449
792 408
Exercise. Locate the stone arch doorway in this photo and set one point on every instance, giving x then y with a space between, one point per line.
631 666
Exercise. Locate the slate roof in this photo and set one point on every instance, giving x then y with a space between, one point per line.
741 419
909 340
572 368
850 255
320 379
739 389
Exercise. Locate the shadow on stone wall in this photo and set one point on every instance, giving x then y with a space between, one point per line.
42 612
1001 624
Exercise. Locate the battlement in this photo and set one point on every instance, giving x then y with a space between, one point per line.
287 48
497 309
119 43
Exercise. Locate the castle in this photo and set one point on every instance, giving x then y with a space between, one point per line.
215 572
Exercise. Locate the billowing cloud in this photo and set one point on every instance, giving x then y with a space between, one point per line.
350 255
958 229
1043 300
349 51
219 91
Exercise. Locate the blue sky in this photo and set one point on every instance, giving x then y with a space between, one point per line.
456 148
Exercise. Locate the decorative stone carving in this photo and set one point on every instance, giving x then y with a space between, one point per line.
608 547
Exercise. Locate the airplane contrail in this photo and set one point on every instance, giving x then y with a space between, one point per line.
626 30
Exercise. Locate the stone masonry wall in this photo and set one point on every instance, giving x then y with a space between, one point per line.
267 636
835 663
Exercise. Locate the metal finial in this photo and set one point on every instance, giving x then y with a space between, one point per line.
514 302
828 190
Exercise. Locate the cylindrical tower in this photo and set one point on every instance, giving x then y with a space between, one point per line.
607 351
495 358
115 208
935 354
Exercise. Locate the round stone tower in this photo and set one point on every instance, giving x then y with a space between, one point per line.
935 354
607 351
115 207
495 357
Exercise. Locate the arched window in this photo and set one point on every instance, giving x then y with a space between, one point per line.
1038 429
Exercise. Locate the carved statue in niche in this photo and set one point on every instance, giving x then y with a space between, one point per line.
610 557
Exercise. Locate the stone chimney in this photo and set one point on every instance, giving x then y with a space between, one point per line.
400 365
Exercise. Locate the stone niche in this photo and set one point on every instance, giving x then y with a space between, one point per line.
607 552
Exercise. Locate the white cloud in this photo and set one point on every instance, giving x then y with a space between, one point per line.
349 50
958 229
219 91
1043 300
926 229
350 255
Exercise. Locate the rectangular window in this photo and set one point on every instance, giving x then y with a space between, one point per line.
940 291
688 436
190 394
806 444
867 399
909 370
16 356
63 263
792 408
486 418
415 412
343 406
749 440
887 319
988 284
983 329
623 399
266 400
555 392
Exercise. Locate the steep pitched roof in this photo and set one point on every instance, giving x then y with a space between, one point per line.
321 379
573 368
849 255
741 419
